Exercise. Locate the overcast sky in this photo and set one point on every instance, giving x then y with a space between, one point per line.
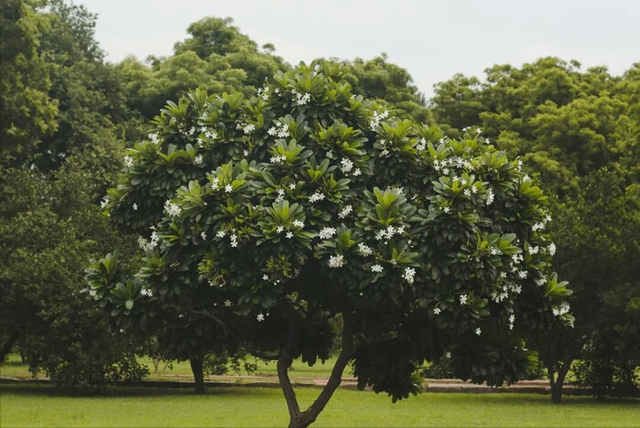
432 40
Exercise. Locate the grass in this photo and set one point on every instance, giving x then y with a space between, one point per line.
43 405
13 367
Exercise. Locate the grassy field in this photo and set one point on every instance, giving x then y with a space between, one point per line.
14 368
32 405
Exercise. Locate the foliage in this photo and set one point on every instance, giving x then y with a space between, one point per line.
28 112
55 228
272 216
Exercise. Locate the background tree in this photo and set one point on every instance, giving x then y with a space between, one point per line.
568 126
274 216
28 113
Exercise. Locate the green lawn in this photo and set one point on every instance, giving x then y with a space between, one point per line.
32 405
14 368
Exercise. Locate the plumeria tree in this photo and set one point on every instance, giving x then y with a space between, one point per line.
305 208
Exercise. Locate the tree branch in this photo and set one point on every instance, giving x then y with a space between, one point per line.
284 362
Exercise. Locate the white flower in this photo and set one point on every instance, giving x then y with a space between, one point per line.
104 202
260 317
154 138
478 331
245 153
128 161
289 235
302 99
172 209
436 311
495 252
467 192
265 277
292 186
318 196
272 131
346 165
228 188
279 229
135 207
552 248
336 261
197 160
377 268
146 292
463 299
474 189
221 234
357 172
446 210
523 274
365 250
540 282
327 232
203 235
212 135
227 303
422 144
298 223
409 274
384 152
345 211
490 197
283 131
94 293
248 129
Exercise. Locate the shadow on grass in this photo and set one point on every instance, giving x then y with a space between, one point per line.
535 398
112 391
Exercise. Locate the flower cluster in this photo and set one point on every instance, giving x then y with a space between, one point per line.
280 130
561 310
300 99
377 117
197 160
389 232
336 261
278 159
318 196
409 274
146 292
377 268
365 250
149 245
327 232
346 165
172 209
345 211
128 161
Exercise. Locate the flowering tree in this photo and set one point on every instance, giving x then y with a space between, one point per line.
275 216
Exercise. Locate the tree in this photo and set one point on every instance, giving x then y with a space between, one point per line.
28 113
55 229
278 214
568 127
598 239
216 58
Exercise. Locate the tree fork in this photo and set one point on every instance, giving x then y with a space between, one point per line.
299 419
8 344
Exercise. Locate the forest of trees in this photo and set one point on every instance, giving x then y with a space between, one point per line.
68 118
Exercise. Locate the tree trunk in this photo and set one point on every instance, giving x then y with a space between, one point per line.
557 383
8 344
198 376
298 419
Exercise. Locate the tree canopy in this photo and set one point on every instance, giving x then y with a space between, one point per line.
276 215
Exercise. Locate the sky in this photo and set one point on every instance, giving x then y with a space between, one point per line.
433 40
